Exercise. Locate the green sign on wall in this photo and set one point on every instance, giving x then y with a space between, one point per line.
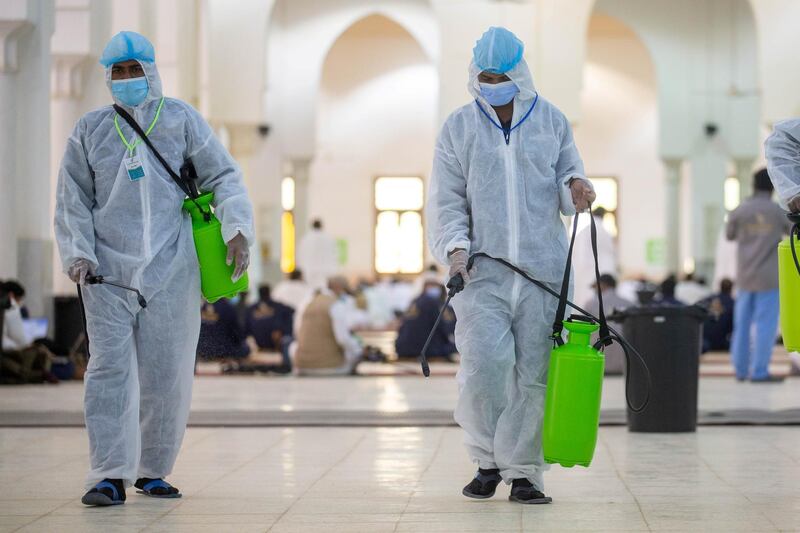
656 252
341 248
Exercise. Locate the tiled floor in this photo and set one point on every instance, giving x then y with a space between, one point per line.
353 479
409 479
387 393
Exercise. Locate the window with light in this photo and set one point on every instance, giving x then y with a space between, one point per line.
733 193
398 226
287 225
607 190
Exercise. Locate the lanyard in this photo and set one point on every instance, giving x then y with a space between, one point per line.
132 145
507 132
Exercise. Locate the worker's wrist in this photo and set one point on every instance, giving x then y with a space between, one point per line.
454 250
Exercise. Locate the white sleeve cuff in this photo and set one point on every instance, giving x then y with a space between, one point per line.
578 177
457 243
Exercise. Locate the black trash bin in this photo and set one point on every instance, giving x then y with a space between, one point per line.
68 321
669 338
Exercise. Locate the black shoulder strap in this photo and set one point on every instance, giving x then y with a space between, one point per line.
605 335
562 299
605 338
138 129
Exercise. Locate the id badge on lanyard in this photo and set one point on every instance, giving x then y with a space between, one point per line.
134 167
133 163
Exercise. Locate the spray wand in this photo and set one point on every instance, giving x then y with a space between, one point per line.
100 280
454 286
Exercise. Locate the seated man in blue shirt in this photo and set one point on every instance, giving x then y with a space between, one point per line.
418 321
221 337
718 326
268 321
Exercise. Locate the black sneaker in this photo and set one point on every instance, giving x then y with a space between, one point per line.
484 484
523 491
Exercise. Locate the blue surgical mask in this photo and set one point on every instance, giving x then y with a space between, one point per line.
434 292
131 92
498 94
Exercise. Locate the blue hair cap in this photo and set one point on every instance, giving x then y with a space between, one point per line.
497 51
128 45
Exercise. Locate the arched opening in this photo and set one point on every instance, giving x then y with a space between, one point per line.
618 138
375 118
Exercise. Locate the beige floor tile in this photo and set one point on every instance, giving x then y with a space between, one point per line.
212 506
28 507
13 523
363 527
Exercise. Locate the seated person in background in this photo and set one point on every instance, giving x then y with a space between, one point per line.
718 326
292 291
692 289
429 274
417 322
21 361
268 321
221 337
17 291
325 343
666 292
614 354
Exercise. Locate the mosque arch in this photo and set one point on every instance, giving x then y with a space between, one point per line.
376 116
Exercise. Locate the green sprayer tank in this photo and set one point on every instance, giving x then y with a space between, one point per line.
212 252
789 276
572 405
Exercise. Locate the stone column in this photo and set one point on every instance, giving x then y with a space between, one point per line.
13 26
673 212
25 31
744 171
301 172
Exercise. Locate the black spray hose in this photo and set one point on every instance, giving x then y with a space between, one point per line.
794 234
456 285
83 321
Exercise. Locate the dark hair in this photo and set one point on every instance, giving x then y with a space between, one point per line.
296 274
668 287
608 280
726 286
14 287
265 293
761 181
600 212
316 224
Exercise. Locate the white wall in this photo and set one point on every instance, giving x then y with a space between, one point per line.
618 135
376 116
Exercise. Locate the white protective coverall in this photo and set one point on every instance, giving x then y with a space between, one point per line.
583 259
139 380
318 256
504 200
783 156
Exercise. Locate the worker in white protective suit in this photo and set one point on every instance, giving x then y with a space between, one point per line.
118 214
318 256
783 157
583 259
505 165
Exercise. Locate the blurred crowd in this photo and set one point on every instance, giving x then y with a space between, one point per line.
319 330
